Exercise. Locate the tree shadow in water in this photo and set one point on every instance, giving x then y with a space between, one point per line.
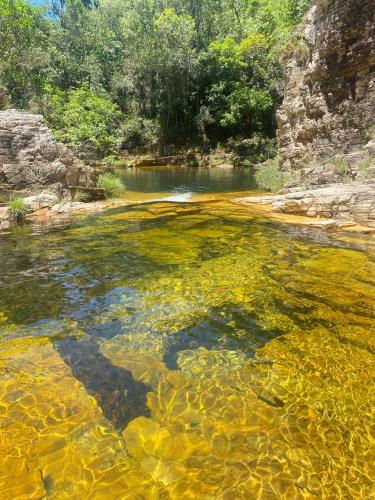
119 395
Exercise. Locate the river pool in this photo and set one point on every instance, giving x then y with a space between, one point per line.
186 351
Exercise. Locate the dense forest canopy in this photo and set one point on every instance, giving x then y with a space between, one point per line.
110 74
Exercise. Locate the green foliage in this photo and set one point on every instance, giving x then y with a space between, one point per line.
81 196
147 73
109 160
341 167
84 120
23 39
111 184
269 176
241 95
364 165
255 149
17 208
137 131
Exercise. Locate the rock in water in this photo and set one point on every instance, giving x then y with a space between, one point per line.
31 158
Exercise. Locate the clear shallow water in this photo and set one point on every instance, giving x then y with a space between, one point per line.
187 180
176 351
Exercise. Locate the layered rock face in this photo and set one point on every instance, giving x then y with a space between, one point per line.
329 103
31 158
327 120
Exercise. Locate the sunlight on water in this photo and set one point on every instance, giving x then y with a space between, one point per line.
170 351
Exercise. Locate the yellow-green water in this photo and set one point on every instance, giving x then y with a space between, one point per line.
186 351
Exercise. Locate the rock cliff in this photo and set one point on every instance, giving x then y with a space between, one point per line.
30 157
327 120
329 103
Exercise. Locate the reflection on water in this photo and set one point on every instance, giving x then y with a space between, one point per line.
169 351
187 179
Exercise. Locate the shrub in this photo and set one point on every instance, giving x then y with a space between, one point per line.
341 167
17 209
109 160
137 131
111 184
84 121
253 150
364 165
270 178
81 196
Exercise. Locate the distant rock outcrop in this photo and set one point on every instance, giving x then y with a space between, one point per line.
30 158
329 103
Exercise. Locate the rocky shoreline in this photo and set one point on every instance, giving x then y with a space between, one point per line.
354 202
46 207
326 123
41 170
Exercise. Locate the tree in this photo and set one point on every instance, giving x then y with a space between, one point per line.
174 69
85 121
176 65
23 38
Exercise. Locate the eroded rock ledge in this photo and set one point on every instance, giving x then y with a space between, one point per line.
354 201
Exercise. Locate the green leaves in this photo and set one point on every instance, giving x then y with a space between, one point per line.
155 71
23 32
111 183
84 120
247 104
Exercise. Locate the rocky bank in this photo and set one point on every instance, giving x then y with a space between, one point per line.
41 170
352 201
329 100
326 124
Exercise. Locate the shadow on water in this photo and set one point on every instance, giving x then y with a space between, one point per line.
227 327
119 395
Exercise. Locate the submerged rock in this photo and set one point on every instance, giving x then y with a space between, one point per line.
198 362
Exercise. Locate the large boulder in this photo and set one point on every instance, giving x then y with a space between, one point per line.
31 158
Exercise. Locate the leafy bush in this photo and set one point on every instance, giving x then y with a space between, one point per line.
81 196
364 165
270 178
110 183
84 121
109 160
341 167
254 149
17 209
137 131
